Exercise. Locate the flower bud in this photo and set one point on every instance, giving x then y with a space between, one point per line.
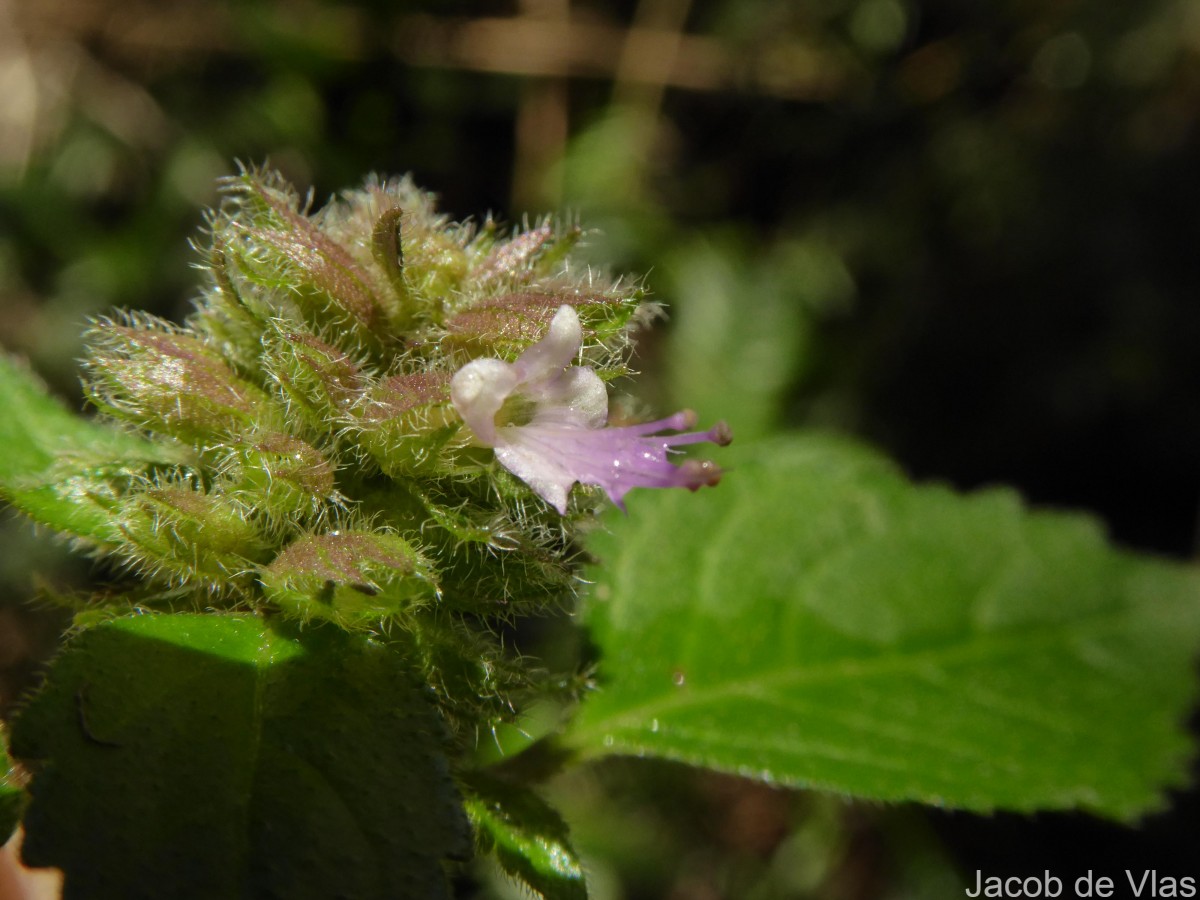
504 326
185 535
524 256
353 577
318 382
437 265
408 424
223 319
164 381
283 476
273 243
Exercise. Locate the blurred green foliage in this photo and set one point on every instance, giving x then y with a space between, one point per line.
965 231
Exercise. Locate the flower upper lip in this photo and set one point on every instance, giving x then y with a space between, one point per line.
565 439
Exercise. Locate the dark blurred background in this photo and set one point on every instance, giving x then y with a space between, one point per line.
963 231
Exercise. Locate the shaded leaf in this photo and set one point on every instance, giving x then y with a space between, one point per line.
199 756
63 470
528 837
818 621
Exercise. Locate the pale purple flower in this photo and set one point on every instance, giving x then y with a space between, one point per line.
547 420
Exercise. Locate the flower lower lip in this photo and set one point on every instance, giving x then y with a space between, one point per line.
615 459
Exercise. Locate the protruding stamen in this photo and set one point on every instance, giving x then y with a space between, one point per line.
700 473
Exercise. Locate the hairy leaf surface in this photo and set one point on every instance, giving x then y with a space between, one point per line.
199 756
528 837
60 469
818 621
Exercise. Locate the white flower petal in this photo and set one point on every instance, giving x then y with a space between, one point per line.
529 463
546 359
478 390
577 397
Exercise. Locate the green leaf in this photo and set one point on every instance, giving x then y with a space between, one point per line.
817 621
528 836
60 469
200 756
12 797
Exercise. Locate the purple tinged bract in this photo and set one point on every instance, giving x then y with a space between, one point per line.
547 421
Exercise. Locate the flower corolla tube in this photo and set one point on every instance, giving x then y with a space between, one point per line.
547 421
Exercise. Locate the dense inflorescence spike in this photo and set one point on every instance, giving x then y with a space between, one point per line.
334 471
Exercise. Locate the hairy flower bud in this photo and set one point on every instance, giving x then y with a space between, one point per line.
436 268
184 535
350 577
275 242
524 256
407 422
283 476
318 382
158 379
505 325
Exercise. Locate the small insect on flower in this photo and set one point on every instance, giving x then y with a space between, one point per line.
547 421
